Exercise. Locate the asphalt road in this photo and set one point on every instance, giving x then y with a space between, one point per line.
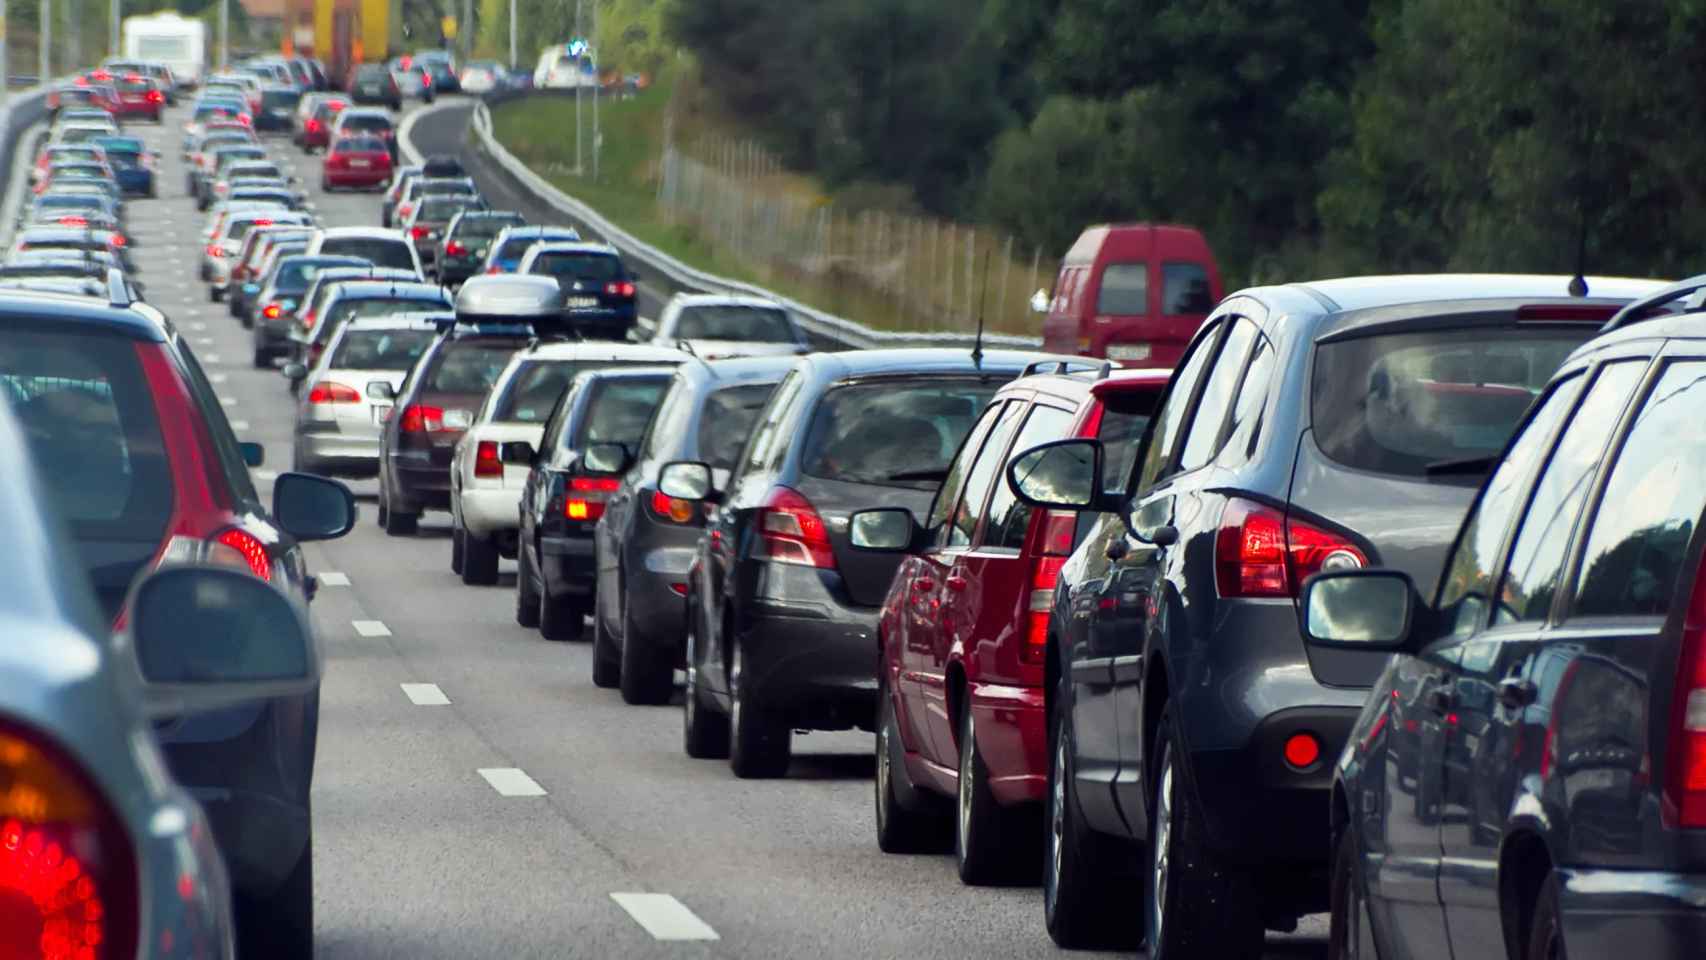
419 854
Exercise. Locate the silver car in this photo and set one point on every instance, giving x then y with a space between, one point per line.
717 326
341 411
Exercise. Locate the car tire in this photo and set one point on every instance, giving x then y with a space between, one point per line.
456 542
1197 904
212 294
1350 935
1086 896
281 926
648 678
704 732
908 820
526 597
606 661
993 845
479 560
760 743
1546 930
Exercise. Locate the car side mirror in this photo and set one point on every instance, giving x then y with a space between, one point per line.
1359 609
380 390
253 454
884 530
605 458
312 508
294 371
687 480
206 637
517 452
1040 302
1062 475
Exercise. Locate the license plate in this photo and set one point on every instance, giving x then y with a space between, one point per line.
360 163
580 303
1128 351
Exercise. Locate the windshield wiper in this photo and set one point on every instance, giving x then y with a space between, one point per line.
1462 466
938 474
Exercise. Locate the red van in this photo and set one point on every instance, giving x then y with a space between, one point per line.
1132 292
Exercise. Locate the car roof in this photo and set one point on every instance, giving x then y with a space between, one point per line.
921 360
381 289
573 246
67 310
724 300
540 229
393 321
603 350
371 233
1366 293
769 369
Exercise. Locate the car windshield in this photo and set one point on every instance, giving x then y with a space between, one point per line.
753 324
379 251
469 366
595 267
618 409
441 209
895 432
393 350
359 145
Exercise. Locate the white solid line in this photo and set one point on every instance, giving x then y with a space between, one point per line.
664 917
332 578
425 694
239 424
512 782
370 628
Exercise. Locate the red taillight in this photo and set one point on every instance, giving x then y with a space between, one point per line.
404 209
623 289
116 241
790 531
486 462
271 311
335 105
673 509
216 251
1685 782
74 221
455 249
243 119
426 81
1261 553
308 320
311 126
1054 545
419 418
254 552
493 269
155 96
263 222
1302 750
418 232
328 392
587 496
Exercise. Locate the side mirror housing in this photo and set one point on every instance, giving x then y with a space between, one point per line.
1062 475
687 480
294 371
517 452
253 454
312 508
884 530
378 389
605 458
1360 610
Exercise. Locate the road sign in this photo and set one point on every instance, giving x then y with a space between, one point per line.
447 26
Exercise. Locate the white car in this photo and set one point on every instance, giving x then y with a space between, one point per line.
340 413
479 78
219 256
377 245
485 492
718 326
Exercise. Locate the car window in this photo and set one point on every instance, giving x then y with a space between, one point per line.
1203 436
482 228
757 451
1467 583
948 493
1125 418
1010 517
670 422
1537 557
727 419
468 367
395 350
892 432
580 266
1165 430
991 457
555 424
619 410
752 324
1653 500
1125 290
1245 427
378 251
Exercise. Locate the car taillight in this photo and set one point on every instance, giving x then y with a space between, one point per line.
271 311
486 462
494 269
67 874
790 531
328 392
216 251
252 550
312 126
308 320
1259 552
116 241
404 209
673 509
455 249
418 232
420 418
74 221
1685 784
155 96
587 496
623 289
1054 545
426 81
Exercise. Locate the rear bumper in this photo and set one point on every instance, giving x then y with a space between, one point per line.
135 181
1012 738
358 178
426 488
567 564
814 663
340 454
489 511
1650 914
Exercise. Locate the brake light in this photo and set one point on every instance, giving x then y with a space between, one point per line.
74 221
406 62
263 222
155 96
419 418
486 462
791 531
418 232
673 509
587 496
1685 785
67 878
308 320
216 251
455 249
312 126
254 552
335 105
1261 553
426 81
622 289
243 119
493 269
271 311
404 209
116 241
1054 545
327 392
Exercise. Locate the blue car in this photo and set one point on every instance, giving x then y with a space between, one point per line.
512 244
132 163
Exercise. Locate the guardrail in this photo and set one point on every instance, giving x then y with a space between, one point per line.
822 325
23 110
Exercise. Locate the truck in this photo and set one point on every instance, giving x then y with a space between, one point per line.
1131 292
177 41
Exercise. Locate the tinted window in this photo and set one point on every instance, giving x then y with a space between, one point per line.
534 390
754 324
1468 580
380 252
948 494
1009 518
1125 417
364 121
381 349
1245 427
619 410
280 99
1202 441
359 145
443 208
901 433
345 310
1537 558
1184 289
293 276
581 266
483 228
1172 414
669 426
1653 501
1398 402
758 450
515 247
468 367
1125 290
727 420
982 475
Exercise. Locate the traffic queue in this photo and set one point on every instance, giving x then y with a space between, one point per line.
1384 601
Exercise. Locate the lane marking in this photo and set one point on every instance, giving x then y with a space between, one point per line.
218 377
664 917
512 782
210 359
332 578
425 694
239 424
265 476
370 628
204 341
198 325
228 401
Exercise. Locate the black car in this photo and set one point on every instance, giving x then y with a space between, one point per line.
465 241
646 540
373 83
565 495
1556 805
1308 428
600 295
781 610
278 108
276 300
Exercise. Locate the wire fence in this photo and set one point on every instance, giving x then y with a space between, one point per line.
884 269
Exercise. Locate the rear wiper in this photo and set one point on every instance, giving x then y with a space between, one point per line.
939 474
1463 466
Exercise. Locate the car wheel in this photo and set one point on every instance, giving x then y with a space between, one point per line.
280 926
908 821
479 560
1198 905
213 294
526 597
992 844
1086 899
1546 931
760 742
704 733
648 678
606 661
456 541
1350 934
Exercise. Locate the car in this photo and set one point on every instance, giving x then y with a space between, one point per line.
220 256
381 247
298 323
414 81
50 154
409 191
716 325
464 242
278 107
600 294
644 542
485 492
277 296
401 174
358 161
782 611
1131 292
210 165
338 418
58 264
138 96
264 259
1303 422
133 164
317 125
246 262
55 204
426 220
335 303
69 95
242 168
367 122
373 83
963 633
506 250
148 474
480 77
75 239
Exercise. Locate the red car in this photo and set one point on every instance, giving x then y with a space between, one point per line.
138 96
317 129
362 161
965 624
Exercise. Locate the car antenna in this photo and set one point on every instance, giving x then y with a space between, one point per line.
1579 283
982 301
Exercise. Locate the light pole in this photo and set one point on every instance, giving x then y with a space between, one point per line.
112 31
43 60
579 9
224 30
512 34
597 82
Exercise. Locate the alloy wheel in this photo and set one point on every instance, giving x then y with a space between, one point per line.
967 741
1056 819
1161 845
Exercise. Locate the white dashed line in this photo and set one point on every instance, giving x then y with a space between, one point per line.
425 694
198 325
664 917
332 578
239 425
204 341
512 782
370 628
218 377
265 476
210 359
228 401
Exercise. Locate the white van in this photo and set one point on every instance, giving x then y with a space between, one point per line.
560 70
178 42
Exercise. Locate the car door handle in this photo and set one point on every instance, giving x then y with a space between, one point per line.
1443 700
955 582
923 585
1516 692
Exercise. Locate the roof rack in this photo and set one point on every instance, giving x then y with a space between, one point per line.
1693 290
1101 368
118 288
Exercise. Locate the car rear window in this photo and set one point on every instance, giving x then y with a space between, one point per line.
365 122
727 420
378 251
359 145
1125 290
751 324
88 416
581 266
1398 403
381 349
470 367
619 410
441 209
280 99
895 433
483 228
347 309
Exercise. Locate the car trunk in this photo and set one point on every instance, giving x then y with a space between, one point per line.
865 573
